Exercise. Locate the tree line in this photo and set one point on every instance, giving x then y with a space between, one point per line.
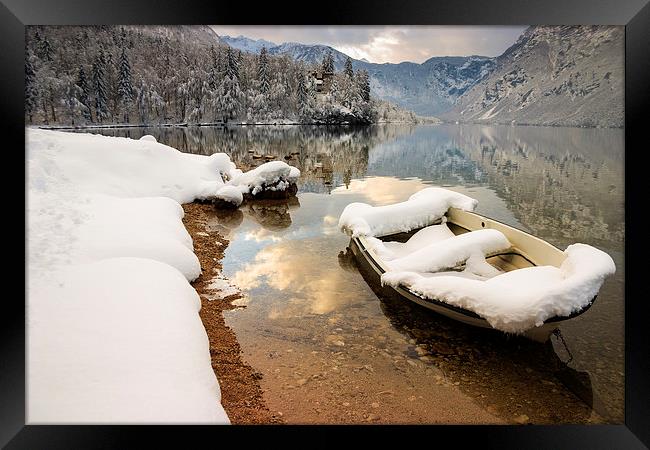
135 75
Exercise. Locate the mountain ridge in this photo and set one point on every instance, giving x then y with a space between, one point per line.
427 88
552 75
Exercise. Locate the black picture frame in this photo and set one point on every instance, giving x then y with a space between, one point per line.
633 14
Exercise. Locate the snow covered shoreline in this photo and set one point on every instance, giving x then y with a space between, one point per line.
114 334
279 122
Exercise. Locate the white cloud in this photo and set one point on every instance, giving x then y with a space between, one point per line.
390 44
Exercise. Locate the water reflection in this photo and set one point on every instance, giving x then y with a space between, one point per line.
564 183
271 214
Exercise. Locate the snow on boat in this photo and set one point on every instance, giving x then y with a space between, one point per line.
435 251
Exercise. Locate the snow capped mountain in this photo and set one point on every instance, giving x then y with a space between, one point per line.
200 34
553 75
309 54
427 89
247 45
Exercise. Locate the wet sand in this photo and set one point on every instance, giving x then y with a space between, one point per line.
241 395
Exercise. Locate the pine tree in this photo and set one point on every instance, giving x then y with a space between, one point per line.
328 62
263 71
213 74
232 65
363 83
112 78
84 95
125 88
99 82
348 68
141 102
47 53
31 92
303 96
230 92
122 37
73 104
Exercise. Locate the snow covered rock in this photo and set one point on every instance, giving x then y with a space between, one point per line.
274 176
421 209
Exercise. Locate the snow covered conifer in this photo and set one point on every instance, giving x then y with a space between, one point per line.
31 92
84 94
230 95
99 83
328 62
263 71
213 71
232 65
47 53
305 100
125 88
302 90
363 83
141 102
73 104
348 68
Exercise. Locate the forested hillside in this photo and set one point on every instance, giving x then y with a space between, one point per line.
80 75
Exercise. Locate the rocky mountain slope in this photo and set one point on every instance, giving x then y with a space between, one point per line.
552 75
199 34
427 89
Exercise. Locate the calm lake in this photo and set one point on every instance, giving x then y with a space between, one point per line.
330 350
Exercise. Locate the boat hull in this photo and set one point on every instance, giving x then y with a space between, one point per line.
373 268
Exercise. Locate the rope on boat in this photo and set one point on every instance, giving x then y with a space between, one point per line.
558 334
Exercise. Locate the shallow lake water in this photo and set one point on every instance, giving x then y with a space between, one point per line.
332 348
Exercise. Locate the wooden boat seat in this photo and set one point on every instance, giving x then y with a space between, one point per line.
437 248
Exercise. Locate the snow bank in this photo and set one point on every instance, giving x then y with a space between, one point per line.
124 167
114 333
521 299
421 209
118 341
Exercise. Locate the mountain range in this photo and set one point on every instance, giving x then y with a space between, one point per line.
552 75
427 89
560 75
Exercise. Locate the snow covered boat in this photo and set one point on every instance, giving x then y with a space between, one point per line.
435 251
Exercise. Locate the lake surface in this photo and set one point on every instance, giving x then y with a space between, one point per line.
331 350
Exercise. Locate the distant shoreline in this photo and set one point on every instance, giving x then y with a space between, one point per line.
218 124
278 124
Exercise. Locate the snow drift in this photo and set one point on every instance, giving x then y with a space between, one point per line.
114 333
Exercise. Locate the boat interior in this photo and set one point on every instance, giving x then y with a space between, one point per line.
537 252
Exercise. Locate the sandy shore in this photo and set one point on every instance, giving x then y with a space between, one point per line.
241 395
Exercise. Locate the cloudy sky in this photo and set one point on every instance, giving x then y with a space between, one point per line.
390 43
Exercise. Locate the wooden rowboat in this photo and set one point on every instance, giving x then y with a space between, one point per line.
526 251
